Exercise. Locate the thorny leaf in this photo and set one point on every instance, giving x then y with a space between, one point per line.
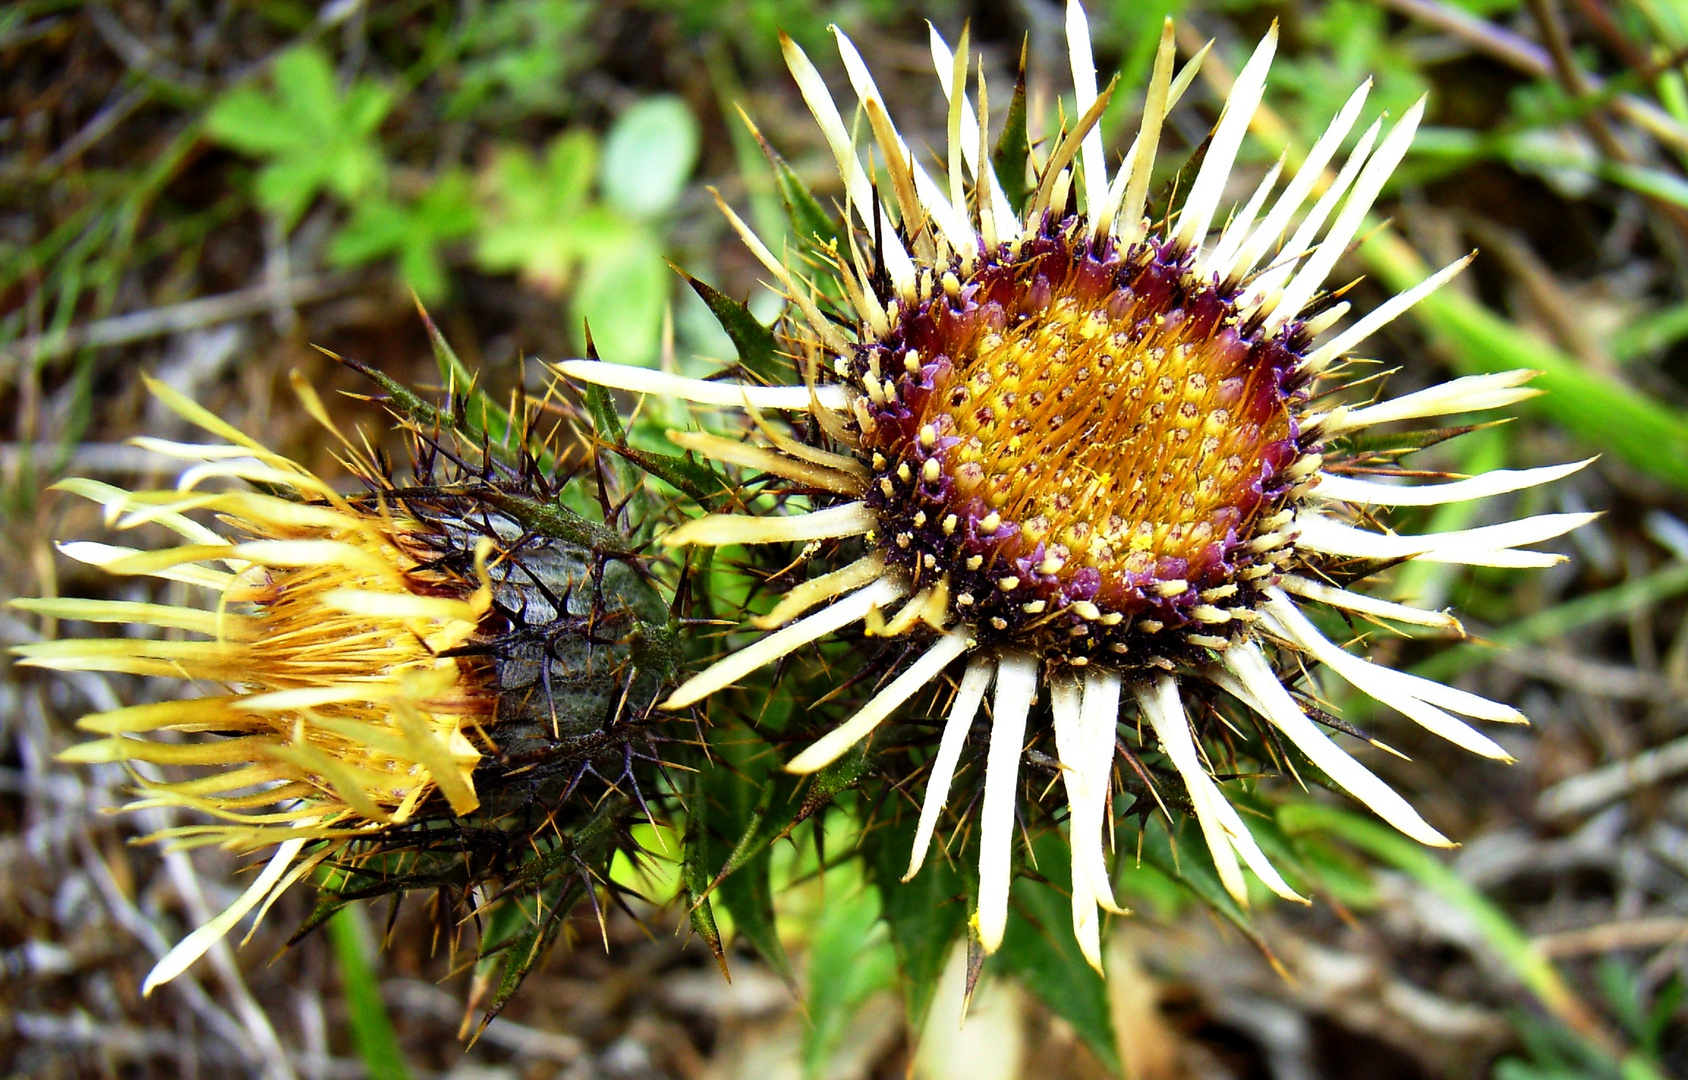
694 876
743 813
754 342
1013 149
1385 444
483 416
810 222
697 479
827 784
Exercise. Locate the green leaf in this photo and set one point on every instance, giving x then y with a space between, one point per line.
1181 854
329 901
1039 949
1622 994
372 1028
377 228
743 793
520 58
412 232
312 138
748 894
694 875
285 188
622 293
842 775
758 828
1148 890
400 398
1589 609
543 891
484 421
848 961
538 217
1338 873
809 220
304 82
531 943
649 155
483 418
248 120
1013 148
1650 334
1138 22
1401 443
754 342
695 478
502 926
555 520
601 406
925 916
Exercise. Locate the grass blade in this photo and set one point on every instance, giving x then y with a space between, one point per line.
372 1029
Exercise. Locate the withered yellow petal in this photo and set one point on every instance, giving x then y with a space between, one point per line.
351 784
452 776
195 713
121 560
391 605
129 611
220 752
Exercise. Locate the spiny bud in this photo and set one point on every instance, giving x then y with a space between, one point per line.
427 669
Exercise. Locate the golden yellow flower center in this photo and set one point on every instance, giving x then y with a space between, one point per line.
1113 449
1073 429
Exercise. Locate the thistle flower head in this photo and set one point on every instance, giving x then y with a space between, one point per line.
1093 455
1090 455
384 662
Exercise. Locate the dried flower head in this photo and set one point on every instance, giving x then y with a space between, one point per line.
412 668
1094 454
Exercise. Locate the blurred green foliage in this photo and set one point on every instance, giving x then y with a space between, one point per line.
310 136
591 216
585 216
541 217
517 57
754 26
411 232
